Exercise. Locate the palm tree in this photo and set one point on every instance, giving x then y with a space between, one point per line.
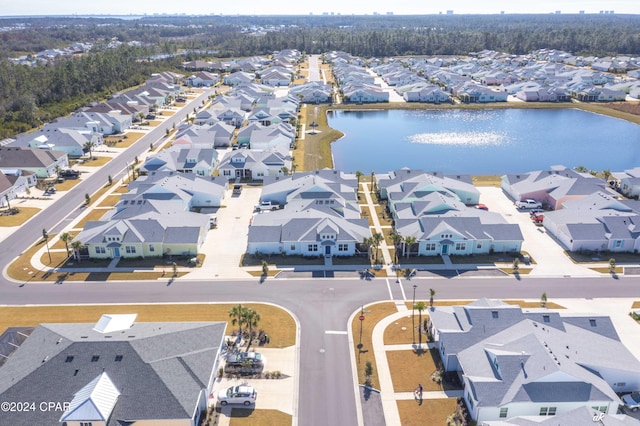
88 146
420 306
606 174
238 315
543 300
6 197
66 238
368 243
251 318
358 176
396 239
432 293
76 246
376 239
408 242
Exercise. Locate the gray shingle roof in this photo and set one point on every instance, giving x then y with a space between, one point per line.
162 369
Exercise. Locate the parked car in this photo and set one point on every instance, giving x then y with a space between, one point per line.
537 218
534 211
267 205
632 401
69 173
237 189
240 358
528 204
213 222
241 394
481 207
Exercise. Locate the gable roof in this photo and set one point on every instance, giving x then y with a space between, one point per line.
159 370
94 402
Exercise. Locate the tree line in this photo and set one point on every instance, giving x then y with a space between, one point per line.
30 96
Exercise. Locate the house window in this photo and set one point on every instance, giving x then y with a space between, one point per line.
130 249
461 246
226 173
470 400
312 247
479 246
69 358
618 243
552 411
503 412
592 322
95 358
293 246
151 248
100 250
119 358
343 247
430 246
544 411
546 318
86 424
494 314
260 173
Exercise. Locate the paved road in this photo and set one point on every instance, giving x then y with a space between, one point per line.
322 307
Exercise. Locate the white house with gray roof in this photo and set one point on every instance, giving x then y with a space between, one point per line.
553 187
196 159
145 228
518 362
321 216
254 164
137 373
598 222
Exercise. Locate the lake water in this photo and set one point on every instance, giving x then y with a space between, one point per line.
483 142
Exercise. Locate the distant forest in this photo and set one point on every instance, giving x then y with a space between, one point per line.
30 96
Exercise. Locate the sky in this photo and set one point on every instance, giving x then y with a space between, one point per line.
302 7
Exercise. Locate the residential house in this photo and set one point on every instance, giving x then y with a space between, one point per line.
237 78
42 162
553 187
629 184
113 372
535 362
217 135
71 142
182 158
232 116
596 223
14 183
190 191
145 228
203 79
427 93
403 183
473 93
254 164
321 216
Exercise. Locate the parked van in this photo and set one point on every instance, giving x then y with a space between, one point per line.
213 222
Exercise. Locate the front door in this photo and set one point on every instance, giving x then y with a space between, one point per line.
327 250
116 252
445 249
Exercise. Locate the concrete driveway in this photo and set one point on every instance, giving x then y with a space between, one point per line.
548 254
225 245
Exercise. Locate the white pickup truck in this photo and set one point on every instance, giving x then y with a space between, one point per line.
267 205
528 204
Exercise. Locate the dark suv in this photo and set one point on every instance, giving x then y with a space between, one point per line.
245 362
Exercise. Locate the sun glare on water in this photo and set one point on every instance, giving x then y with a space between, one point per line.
456 138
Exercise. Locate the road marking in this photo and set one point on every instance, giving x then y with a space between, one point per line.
389 290
335 332
404 296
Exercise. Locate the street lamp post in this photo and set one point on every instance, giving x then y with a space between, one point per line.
45 235
413 315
